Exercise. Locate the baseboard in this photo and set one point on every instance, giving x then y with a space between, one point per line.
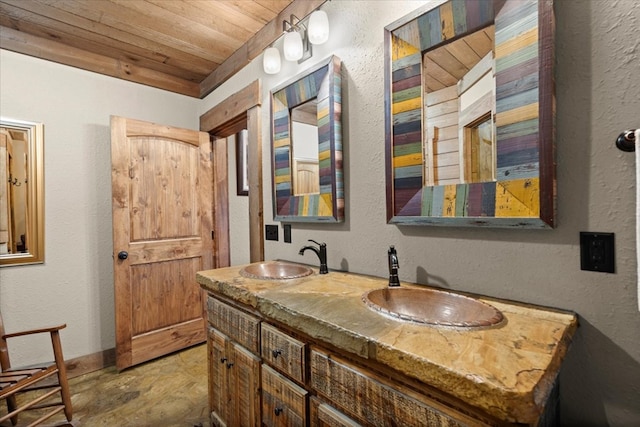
90 363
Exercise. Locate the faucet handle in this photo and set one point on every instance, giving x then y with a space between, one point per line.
319 244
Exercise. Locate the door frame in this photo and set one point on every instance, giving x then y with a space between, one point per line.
243 108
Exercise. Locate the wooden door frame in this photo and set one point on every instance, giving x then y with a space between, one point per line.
221 121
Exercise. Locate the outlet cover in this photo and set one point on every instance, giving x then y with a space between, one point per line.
271 232
597 252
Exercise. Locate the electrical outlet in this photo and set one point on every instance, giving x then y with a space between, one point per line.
597 252
287 232
271 232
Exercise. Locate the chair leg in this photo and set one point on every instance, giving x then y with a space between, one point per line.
11 406
62 374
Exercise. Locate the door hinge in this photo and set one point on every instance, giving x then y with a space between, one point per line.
213 235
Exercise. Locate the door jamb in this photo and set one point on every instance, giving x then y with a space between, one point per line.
245 102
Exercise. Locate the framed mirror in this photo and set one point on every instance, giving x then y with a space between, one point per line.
21 192
306 145
469 115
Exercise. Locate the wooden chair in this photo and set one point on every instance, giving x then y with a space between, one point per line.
20 380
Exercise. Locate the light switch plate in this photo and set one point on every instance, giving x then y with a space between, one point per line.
287 232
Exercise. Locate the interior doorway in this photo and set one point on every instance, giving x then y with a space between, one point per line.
242 110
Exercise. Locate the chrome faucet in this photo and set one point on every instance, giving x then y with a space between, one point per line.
321 251
393 267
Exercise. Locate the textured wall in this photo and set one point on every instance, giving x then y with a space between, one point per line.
598 96
75 284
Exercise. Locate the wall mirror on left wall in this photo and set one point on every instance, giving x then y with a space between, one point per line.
306 145
21 192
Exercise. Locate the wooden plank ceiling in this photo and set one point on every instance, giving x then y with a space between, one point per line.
184 46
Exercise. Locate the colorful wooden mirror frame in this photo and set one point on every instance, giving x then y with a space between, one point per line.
524 193
323 82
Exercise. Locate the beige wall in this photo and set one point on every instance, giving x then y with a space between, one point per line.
598 91
75 284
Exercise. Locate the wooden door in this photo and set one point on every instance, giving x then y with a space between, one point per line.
162 235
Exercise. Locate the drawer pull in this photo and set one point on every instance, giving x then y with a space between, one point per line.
278 411
229 365
224 359
276 353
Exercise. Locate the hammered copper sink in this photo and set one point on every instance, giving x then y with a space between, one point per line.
433 307
275 270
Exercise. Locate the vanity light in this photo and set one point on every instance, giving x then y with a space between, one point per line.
271 60
318 27
297 40
293 49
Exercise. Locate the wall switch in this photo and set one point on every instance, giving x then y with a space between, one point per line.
287 232
597 252
271 232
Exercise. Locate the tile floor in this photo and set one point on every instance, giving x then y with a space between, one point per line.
167 392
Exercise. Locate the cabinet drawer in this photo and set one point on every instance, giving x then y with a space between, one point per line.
283 352
323 415
241 327
283 402
374 400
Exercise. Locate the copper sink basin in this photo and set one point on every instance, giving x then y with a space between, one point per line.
432 307
275 270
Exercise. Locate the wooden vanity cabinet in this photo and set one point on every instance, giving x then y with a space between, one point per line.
260 375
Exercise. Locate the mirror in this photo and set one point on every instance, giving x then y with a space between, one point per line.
21 193
304 150
306 145
469 115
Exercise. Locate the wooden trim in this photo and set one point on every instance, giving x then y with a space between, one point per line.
222 254
18 41
256 214
90 363
232 107
256 44
244 104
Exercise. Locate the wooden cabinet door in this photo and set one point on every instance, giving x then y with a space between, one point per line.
244 387
219 396
234 383
162 193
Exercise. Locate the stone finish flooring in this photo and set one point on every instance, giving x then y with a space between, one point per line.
166 392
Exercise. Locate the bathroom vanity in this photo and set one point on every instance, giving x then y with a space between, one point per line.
309 351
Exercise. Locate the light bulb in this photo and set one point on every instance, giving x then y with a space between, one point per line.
293 48
318 27
271 60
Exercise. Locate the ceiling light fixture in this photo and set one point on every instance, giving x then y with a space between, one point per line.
297 41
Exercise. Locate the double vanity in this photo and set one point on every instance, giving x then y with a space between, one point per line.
289 346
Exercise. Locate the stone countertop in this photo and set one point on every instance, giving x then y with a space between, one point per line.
507 370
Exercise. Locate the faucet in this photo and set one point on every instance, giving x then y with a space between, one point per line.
321 251
393 267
